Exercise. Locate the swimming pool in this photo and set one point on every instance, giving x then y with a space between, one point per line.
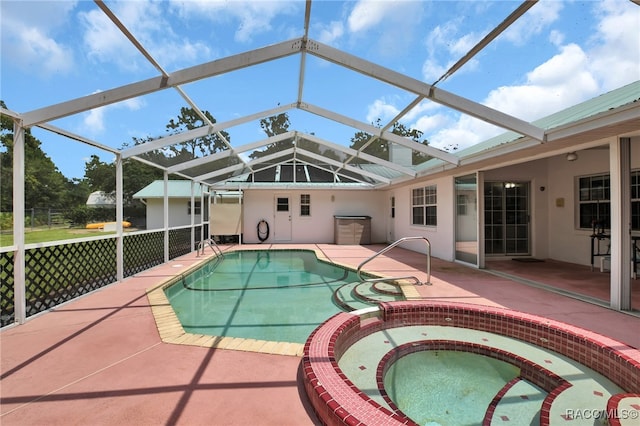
269 295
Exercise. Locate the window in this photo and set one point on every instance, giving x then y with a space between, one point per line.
196 209
635 200
594 199
305 205
282 204
462 204
594 202
424 209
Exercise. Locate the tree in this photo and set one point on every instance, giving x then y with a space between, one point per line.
99 175
189 120
45 185
272 126
380 147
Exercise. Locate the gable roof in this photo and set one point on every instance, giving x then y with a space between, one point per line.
175 189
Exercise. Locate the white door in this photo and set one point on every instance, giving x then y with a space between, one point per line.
282 226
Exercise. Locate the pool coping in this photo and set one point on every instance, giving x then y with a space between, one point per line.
171 331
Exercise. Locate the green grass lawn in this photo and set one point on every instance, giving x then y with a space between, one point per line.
55 234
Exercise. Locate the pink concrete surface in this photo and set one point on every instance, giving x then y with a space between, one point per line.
99 359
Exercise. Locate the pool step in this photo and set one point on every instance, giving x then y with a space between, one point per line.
358 295
521 402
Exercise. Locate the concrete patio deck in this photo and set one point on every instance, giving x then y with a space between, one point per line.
99 359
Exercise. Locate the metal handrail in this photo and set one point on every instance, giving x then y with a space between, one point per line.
389 247
211 243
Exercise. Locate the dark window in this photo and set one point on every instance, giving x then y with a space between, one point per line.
305 205
424 209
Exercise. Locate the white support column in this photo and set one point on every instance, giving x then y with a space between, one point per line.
19 280
480 221
165 207
202 210
620 183
192 218
119 219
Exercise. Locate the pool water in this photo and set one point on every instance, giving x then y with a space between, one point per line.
441 387
278 295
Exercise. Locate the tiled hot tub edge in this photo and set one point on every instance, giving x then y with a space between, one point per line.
337 401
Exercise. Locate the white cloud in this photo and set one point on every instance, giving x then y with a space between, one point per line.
27 34
331 32
382 110
148 22
533 22
255 17
387 27
615 54
445 46
93 121
369 13
573 75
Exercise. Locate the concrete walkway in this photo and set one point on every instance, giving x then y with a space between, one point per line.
99 359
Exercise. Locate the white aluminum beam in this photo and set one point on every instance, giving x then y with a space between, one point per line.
425 149
144 87
346 166
513 17
355 153
200 161
201 131
70 135
210 175
417 87
263 159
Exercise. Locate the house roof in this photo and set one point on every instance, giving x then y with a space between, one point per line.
101 199
175 189
622 96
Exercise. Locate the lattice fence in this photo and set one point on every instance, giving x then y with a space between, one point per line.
7 312
143 251
57 274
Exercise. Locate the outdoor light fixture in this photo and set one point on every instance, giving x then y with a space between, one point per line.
572 156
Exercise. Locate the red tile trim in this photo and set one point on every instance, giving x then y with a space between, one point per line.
325 382
614 414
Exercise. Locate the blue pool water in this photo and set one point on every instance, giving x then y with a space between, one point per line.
280 295
446 387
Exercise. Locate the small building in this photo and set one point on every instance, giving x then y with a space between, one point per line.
101 199
181 205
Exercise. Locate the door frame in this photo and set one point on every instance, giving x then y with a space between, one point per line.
282 223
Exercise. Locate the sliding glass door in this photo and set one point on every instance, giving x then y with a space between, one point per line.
506 218
466 189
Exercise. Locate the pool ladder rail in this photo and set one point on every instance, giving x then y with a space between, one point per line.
410 277
211 243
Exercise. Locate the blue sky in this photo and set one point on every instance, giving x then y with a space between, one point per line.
560 53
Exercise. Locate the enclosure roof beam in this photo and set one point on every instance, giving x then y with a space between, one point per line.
440 96
362 155
220 172
200 132
176 78
70 135
348 167
425 149
513 17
